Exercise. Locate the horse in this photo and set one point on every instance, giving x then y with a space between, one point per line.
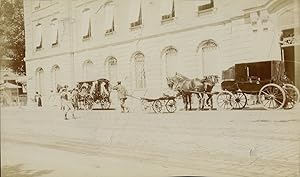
186 87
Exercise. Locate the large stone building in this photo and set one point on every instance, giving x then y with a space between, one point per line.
140 42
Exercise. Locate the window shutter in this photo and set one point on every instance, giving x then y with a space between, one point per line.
85 22
109 16
134 11
37 4
54 31
38 38
166 7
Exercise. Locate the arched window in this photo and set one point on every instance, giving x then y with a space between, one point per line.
139 71
55 76
40 80
112 69
210 58
171 62
88 70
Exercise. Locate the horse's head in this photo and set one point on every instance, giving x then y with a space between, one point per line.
180 77
170 82
58 88
212 79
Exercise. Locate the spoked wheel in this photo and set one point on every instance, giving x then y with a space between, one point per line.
157 106
239 100
105 103
224 100
292 96
272 96
171 106
88 102
146 106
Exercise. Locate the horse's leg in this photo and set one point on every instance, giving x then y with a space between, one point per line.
190 100
203 101
199 101
209 101
201 96
186 102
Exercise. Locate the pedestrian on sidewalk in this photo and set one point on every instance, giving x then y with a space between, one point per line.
122 95
67 103
38 99
75 98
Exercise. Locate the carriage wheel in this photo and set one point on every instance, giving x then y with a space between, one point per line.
146 106
292 94
171 106
272 96
105 103
89 102
157 106
224 100
239 100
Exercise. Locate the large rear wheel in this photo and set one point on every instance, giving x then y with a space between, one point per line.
224 100
89 102
105 103
292 96
272 96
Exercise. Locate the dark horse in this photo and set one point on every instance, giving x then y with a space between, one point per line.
186 87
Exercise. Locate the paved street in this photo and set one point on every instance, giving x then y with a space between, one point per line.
252 143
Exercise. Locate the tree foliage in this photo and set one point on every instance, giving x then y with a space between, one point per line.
12 33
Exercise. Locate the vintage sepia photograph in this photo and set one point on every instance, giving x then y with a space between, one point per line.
150 88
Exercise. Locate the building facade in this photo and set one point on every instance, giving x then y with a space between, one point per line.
140 42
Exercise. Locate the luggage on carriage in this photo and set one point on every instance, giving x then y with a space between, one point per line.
264 79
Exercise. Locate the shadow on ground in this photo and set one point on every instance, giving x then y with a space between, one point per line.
19 171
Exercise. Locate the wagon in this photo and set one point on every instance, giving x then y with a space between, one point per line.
265 79
157 104
97 92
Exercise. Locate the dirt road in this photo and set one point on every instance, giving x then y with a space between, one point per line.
250 143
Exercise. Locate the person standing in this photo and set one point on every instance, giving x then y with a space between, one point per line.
122 95
38 99
67 103
75 98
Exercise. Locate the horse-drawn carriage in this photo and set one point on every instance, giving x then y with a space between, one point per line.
158 104
265 79
94 92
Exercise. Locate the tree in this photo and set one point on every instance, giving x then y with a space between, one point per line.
12 33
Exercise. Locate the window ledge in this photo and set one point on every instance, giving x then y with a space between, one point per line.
55 45
168 20
206 11
109 33
136 28
86 38
38 49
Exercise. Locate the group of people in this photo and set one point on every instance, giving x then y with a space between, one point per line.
70 99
